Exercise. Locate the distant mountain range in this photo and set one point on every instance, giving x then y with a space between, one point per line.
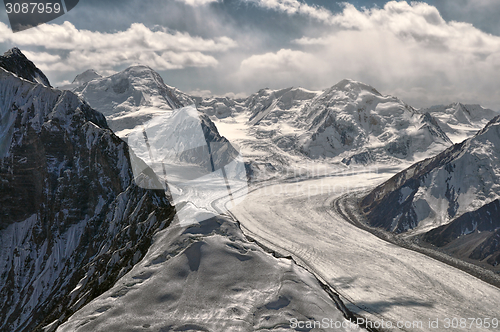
350 122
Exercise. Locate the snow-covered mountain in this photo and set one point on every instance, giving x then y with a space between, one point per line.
350 122
73 219
219 107
130 97
453 194
461 121
352 118
177 141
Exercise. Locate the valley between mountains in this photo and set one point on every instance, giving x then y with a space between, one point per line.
114 241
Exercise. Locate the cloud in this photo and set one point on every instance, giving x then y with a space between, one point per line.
404 49
67 36
283 60
84 49
293 7
195 3
200 93
110 58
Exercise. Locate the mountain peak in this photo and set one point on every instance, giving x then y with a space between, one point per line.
16 62
138 68
86 77
14 51
352 85
130 97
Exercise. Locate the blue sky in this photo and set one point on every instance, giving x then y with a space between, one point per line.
426 53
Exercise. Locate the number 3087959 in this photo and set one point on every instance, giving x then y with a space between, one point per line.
32 8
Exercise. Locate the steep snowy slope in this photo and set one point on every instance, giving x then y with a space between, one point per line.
16 62
461 121
185 149
72 217
457 190
130 97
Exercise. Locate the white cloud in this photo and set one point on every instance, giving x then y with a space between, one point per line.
195 3
102 60
283 60
292 7
200 93
402 49
42 57
89 49
67 36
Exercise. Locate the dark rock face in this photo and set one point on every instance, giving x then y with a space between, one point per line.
221 151
72 217
16 62
486 220
489 250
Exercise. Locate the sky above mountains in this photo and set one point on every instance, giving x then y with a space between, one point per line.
433 52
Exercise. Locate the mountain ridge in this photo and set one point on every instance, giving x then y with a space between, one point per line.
441 198
73 216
